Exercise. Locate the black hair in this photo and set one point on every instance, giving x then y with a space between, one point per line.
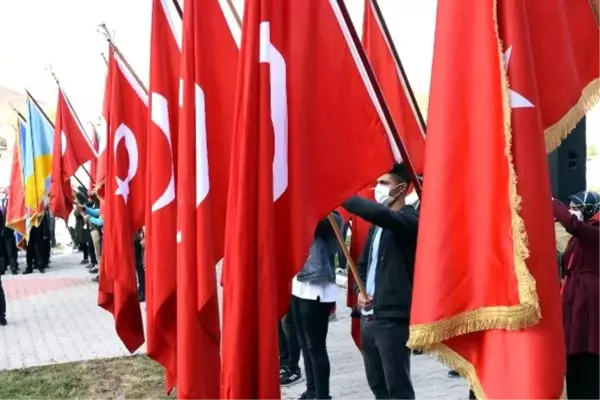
400 173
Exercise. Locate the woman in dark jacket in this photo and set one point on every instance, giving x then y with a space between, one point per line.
580 293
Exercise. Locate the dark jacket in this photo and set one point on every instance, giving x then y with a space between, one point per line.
397 248
580 296
320 263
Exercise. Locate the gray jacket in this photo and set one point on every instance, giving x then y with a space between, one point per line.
320 264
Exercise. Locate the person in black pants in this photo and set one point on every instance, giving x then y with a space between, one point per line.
2 305
8 245
289 352
314 293
138 245
386 267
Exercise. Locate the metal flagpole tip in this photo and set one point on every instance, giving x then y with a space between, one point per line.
103 30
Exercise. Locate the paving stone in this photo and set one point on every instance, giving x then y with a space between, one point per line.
54 318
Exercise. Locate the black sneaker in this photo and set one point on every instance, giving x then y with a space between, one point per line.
289 376
94 270
3 321
84 261
453 374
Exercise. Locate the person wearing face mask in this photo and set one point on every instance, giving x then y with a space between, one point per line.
386 266
580 293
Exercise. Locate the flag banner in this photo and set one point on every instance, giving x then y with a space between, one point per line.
37 159
394 85
300 128
125 187
482 282
569 89
161 216
16 212
209 68
72 149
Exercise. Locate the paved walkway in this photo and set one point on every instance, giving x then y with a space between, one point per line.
53 318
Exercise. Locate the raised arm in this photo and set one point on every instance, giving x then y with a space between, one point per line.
573 225
92 212
380 215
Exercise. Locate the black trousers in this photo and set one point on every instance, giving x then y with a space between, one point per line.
583 376
8 249
386 357
289 348
2 301
36 253
311 318
139 267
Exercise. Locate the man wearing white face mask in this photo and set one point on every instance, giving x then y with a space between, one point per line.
386 265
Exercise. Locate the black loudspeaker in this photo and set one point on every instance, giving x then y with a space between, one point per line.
567 164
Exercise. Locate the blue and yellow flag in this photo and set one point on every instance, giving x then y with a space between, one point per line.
37 159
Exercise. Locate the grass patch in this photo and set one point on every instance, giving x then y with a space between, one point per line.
135 377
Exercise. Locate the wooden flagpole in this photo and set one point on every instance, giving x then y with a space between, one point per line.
404 77
104 30
351 263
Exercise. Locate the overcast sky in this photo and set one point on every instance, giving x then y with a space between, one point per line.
63 33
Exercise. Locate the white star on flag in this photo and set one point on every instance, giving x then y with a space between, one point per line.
516 99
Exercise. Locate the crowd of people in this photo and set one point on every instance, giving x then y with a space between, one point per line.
385 266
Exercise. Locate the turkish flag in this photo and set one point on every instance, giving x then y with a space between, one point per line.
564 34
482 282
161 300
209 68
124 201
393 84
304 111
72 149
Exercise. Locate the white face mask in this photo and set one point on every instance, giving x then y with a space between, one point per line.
577 213
382 194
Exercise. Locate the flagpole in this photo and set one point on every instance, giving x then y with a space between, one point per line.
178 8
396 56
49 68
40 108
104 58
351 263
235 13
386 111
112 44
17 111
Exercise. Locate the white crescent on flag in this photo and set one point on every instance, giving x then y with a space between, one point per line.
123 132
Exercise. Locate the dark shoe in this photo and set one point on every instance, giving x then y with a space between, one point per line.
90 266
3 321
94 270
304 396
417 352
15 271
96 279
42 270
289 376
453 374
85 261
28 271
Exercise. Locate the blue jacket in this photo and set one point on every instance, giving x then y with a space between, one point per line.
320 264
95 217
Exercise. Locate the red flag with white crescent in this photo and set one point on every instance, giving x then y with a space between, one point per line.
125 187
